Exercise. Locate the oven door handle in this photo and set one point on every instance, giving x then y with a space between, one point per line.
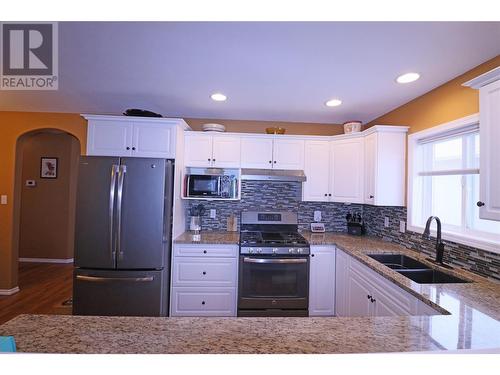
280 261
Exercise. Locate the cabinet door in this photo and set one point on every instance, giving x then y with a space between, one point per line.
256 152
153 140
489 104
288 154
317 171
198 149
384 306
226 152
322 281
358 292
341 282
109 138
347 170
370 167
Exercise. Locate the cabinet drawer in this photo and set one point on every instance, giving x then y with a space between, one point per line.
203 301
188 250
205 272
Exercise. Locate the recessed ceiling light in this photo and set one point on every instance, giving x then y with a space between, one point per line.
333 103
218 97
407 78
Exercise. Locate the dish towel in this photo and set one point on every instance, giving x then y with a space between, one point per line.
7 344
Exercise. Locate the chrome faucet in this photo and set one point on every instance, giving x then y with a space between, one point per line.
439 243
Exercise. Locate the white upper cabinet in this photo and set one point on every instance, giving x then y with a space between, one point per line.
267 153
151 140
207 150
132 136
226 151
322 281
384 166
346 172
256 152
317 170
109 138
288 154
489 120
197 149
489 136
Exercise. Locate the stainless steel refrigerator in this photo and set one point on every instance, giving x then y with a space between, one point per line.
123 236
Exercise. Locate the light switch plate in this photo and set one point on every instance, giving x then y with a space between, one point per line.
213 213
386 222
317 216
3 199
402 226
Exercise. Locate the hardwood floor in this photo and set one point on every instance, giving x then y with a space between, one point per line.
43 289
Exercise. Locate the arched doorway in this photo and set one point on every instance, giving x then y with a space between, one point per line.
46 169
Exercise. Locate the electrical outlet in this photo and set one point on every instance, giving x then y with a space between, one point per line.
3 199
213 213
402 226
317 216
386 222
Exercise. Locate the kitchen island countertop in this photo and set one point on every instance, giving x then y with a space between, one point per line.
472 321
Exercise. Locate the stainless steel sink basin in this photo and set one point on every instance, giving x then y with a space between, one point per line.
398 261
415 270
430 276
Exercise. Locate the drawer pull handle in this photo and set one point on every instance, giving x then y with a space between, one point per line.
204 251
204 272
202 302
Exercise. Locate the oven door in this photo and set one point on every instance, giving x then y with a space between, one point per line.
203 186
273 282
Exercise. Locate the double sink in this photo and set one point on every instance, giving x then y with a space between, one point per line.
415 270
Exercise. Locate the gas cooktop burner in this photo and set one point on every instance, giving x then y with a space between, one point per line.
272 239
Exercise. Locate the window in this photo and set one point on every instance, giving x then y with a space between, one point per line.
444 182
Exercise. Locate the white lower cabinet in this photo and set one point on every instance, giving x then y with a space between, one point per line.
322 281
366 293
204 280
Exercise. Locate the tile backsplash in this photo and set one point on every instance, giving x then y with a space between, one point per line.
275 196
286 196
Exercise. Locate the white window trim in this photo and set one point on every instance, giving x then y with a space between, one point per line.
464 239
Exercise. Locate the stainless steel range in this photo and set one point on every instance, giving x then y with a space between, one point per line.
274 266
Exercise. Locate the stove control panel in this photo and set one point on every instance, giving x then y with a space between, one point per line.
274 250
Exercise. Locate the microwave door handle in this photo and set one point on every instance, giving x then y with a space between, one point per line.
219 178
188 185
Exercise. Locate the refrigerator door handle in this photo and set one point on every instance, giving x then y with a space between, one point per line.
112 185
121 176
104 279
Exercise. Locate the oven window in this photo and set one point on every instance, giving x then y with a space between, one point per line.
274 280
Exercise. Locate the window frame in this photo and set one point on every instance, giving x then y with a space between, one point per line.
460 237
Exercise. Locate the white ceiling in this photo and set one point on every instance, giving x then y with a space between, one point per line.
269 71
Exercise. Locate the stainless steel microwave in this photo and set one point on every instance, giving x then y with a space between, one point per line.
211 186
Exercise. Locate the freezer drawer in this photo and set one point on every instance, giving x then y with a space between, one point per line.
119 293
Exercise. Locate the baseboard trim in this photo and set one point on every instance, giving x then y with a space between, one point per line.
46 260
9 292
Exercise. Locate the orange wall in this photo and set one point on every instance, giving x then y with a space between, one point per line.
244 126
47 209
443 104
13 125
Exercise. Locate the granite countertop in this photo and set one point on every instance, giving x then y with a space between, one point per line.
472 321
209 237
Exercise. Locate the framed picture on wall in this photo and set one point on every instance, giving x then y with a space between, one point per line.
48 167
